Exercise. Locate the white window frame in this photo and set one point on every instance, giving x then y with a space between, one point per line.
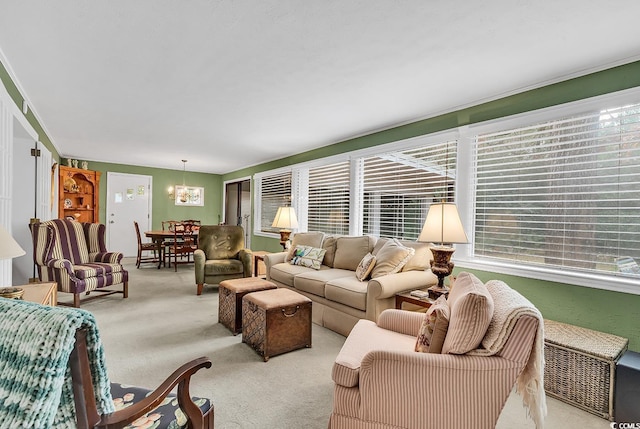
257 200
300 175
464 256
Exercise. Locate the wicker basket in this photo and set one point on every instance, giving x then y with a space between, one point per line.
11 292
580 366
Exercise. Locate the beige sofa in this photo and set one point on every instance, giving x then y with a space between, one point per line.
340 299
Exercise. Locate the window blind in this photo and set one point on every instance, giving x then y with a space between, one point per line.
564 193
275 191
328 199
398 188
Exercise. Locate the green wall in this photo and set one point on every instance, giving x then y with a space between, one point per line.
612 312
163 207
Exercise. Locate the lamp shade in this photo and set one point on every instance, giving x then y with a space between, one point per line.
9 248
443 225
285 218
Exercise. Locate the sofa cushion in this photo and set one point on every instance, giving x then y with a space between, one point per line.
308 256
471 308
285 273
313 239
313 281
166 415
365 336
348 291
329 245
421 259
351 250
434 327
365 267
215 267
391 258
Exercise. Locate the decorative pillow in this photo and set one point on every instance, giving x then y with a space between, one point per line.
308 256
471 307
391 258
365 266
434 327
421 259
313 239
381 242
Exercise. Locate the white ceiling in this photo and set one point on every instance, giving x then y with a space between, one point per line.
228 84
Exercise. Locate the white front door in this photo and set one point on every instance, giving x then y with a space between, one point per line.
128 200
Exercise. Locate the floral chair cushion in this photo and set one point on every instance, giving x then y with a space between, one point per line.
167 415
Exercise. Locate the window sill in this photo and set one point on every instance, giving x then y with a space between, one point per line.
267 234
625 284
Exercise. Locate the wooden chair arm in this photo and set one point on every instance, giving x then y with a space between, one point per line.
181 378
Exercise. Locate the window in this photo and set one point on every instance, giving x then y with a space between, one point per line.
563 193
274 190
384 194
329 199
398 188
552 194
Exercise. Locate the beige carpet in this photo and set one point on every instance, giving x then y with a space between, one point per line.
164 324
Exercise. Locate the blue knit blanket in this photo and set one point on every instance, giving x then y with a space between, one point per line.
35 379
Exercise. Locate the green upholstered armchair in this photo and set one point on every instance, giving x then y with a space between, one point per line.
221 255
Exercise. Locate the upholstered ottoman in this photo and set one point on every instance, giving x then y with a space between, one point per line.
230 293
276 321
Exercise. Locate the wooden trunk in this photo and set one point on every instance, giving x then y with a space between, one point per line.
276 321
230 294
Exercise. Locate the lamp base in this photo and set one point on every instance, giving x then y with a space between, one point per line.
284 237
441 265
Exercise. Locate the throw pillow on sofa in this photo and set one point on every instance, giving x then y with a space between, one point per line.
471 307
313 239
434 327
308 256
391 258
365 267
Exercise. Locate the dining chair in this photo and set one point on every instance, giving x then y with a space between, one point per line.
184 244
168 225
145 247
193 221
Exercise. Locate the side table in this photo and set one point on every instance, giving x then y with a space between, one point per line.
407 297
258 256
42 293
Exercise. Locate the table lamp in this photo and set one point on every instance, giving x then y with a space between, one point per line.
285 220
442 228
9 249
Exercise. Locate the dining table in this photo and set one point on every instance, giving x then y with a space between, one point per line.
160 236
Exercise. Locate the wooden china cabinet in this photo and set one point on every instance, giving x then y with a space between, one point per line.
78 194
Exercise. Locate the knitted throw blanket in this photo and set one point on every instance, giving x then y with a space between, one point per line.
509 305
35 379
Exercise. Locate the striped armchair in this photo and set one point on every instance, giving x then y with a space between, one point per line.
382 382
74 255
